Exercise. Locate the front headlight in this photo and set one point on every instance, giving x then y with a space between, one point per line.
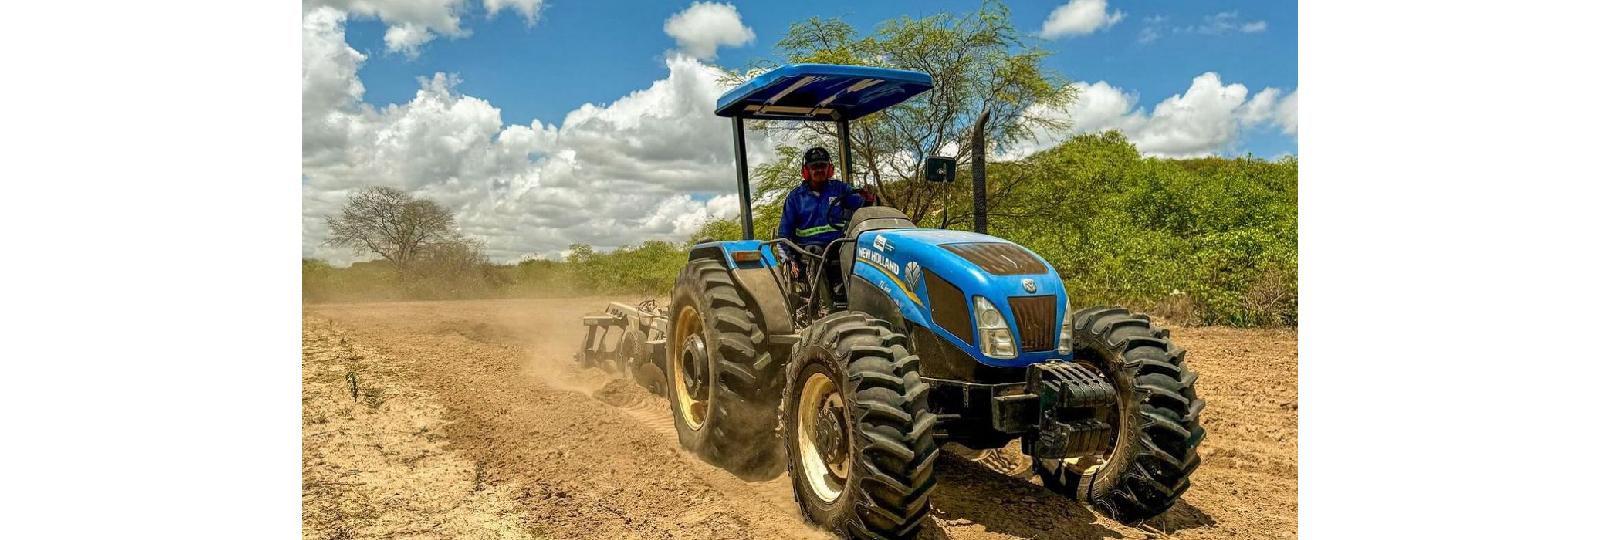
994 336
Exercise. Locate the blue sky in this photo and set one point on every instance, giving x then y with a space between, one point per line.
596 51
546 123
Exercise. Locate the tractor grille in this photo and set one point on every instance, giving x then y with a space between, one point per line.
949 307
1036 322
998 258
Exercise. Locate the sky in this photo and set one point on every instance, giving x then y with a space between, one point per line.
543 123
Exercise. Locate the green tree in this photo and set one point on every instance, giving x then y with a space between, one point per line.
978 61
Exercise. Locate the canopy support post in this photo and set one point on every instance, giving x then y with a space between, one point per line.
744 178
844 148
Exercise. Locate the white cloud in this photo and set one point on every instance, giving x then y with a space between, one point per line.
1288 114
528 8
653 164
1078 17
1215 24
412 23
1148 34
704 26
723 206
1205 119
1100 107
1225 22
407 38
1260 108
328 84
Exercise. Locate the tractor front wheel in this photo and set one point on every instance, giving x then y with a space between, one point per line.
1156 426
857 429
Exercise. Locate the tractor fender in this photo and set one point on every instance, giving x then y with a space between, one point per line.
761 286
757 281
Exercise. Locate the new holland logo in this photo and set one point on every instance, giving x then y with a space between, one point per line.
879 259
1029 285
913 274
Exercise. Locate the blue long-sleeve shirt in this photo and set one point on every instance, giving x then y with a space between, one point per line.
805 212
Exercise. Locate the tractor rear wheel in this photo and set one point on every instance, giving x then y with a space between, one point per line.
721 378
857 429
1157 424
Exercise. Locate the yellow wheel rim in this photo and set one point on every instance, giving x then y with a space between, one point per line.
820 403
686 326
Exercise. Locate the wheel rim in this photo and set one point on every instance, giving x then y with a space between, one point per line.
690 366
824 437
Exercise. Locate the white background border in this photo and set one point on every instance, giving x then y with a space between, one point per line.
1448 214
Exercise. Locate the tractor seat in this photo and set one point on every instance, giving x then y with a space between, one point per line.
872 218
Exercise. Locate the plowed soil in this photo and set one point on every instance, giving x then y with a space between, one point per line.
469 419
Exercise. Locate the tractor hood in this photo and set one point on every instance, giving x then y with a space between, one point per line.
935 274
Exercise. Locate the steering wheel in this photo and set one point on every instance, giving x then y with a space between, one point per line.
836 208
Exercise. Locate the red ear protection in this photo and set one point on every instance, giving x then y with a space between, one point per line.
805 172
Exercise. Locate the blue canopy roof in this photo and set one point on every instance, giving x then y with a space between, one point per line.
818 91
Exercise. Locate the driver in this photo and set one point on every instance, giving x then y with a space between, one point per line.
812 208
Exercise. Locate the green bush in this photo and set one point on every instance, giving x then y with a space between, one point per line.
649 268
374 280
1204 241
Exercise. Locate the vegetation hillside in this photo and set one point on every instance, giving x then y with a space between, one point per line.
1201 241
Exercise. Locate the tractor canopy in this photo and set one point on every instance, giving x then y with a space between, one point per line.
825 92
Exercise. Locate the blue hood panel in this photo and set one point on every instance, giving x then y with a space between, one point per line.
896 261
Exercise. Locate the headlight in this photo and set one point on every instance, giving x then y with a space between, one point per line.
994 337
1064 341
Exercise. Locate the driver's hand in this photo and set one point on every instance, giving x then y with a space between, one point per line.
868 196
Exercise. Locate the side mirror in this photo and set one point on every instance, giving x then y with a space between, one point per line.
939 169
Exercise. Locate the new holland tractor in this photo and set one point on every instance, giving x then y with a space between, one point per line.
941 336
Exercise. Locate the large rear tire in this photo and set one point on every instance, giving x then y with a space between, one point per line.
1157 421
721 378
857 429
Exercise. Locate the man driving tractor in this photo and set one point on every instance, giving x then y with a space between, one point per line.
813 210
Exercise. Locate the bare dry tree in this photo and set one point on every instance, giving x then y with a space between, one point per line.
392 224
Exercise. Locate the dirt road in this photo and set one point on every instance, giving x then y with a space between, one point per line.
469 420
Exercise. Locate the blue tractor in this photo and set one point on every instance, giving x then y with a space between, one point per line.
941 336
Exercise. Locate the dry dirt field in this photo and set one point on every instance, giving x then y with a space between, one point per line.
469 420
